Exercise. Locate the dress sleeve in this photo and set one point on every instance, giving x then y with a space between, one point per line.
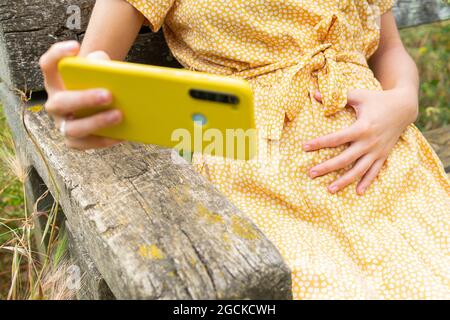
383 5
154 11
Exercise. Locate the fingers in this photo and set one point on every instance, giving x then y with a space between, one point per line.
355 173
63 103
356 97
344 159
84 127
90 142
370 176
334 139
49 63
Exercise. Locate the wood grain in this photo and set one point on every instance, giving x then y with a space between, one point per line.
92 284
410 13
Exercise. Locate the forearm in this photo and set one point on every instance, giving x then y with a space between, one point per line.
113 28
395 69
393 66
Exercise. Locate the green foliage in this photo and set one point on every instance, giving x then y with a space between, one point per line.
11 195
60 249
429 46
11 206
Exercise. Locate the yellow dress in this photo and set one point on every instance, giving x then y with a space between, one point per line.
391 243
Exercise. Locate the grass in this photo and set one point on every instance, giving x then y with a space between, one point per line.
11 197
11 206
428 45
26 273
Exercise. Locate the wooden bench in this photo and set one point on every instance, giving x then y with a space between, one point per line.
142 223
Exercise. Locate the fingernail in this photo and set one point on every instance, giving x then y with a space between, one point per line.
103 97
113 116
361 191
333 189
70 45
307 147
313 173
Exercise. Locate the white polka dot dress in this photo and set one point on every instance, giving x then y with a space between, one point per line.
391 243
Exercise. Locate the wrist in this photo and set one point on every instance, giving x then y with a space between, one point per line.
407 99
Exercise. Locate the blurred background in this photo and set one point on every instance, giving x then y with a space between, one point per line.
429 46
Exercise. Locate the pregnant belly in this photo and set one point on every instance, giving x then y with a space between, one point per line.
281 97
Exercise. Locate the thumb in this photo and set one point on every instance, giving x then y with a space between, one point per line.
98 55
356 97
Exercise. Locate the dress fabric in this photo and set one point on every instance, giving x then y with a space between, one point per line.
392 242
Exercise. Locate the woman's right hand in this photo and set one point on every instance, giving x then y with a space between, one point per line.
62 103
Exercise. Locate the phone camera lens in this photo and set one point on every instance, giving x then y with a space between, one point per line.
214 96
233 99
211 96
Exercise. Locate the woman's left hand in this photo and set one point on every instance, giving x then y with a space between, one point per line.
382 116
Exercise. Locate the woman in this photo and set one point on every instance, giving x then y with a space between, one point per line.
358 203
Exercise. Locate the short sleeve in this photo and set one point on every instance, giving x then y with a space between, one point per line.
382 6
154 11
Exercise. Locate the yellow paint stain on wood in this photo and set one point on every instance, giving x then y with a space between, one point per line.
193 262
171 274
181 194
37 108
226 241
226 238
243 228
208 215
151 252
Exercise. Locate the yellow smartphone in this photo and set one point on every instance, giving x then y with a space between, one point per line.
176 108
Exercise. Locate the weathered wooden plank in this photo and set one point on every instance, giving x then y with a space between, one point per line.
92 284
39 202
28 28
414 12
154 228
440 141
